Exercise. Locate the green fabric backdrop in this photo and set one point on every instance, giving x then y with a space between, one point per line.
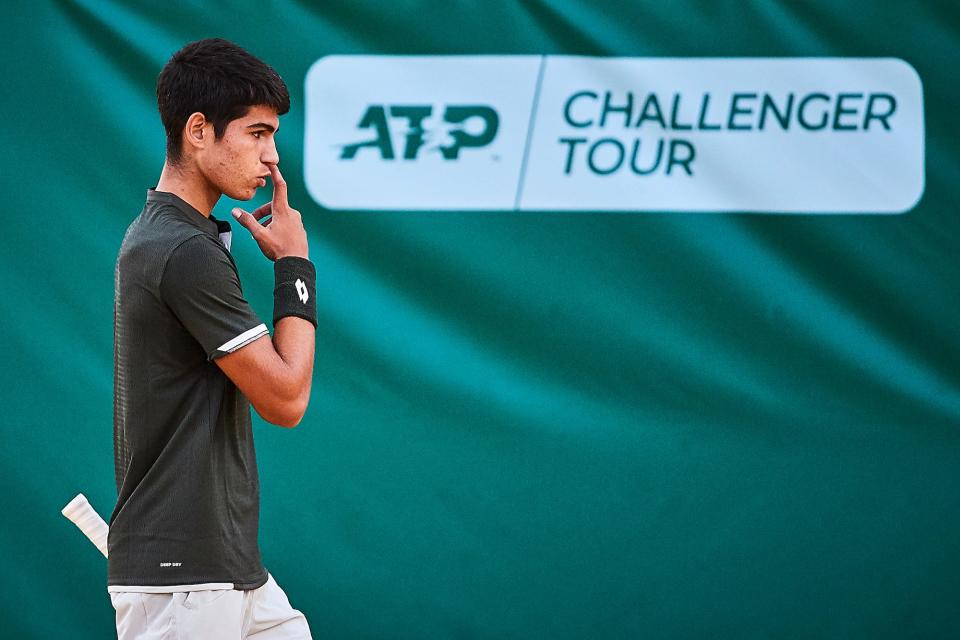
531 425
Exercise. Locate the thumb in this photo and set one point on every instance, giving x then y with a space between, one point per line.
247 221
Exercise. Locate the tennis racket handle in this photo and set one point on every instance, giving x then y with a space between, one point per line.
82 514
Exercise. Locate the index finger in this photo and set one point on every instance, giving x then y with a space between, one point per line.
262 211
279 185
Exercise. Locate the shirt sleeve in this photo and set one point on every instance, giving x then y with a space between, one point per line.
201 286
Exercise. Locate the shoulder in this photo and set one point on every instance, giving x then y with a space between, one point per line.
161 228
198 245
198 260
151 242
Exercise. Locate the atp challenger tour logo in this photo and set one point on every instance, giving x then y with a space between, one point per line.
421 129
777 135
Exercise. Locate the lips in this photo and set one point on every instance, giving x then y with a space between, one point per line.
261 181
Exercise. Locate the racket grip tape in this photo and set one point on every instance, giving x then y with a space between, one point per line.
81 513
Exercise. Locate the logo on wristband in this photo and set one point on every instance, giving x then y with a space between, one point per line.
302 291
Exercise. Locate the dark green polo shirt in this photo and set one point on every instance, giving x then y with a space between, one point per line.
188 492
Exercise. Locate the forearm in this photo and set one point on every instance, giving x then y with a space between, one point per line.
295 318
275 374
294 341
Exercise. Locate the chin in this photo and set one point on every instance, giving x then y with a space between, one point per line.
245 194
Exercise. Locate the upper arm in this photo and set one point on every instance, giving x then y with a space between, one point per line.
201 286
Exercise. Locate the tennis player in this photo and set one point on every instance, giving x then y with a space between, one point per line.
191 356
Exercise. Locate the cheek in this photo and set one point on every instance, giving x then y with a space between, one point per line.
235 169
230 165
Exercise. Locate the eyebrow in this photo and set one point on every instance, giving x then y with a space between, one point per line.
264 125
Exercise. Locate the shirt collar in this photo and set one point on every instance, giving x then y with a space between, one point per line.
212 226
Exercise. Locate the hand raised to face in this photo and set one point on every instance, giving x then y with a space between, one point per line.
282 234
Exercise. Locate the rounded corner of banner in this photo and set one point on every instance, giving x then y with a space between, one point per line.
909 70
912 200
314 192
320 63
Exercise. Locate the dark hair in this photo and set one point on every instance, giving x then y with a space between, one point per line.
218 79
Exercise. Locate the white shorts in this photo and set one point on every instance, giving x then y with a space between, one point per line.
220 614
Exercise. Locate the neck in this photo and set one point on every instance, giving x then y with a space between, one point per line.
188 184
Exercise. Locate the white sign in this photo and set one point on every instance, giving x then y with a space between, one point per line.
776 135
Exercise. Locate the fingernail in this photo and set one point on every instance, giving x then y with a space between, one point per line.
236 213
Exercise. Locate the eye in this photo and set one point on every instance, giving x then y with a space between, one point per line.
257 134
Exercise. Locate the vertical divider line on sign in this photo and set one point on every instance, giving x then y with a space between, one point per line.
530 125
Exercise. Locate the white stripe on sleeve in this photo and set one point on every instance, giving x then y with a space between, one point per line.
247 336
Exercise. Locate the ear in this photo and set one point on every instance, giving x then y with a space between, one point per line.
197 132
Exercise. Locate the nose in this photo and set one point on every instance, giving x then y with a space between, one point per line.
270 154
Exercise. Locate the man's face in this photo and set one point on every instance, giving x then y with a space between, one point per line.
237 163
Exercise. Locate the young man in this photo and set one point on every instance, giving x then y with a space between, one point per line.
190 356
